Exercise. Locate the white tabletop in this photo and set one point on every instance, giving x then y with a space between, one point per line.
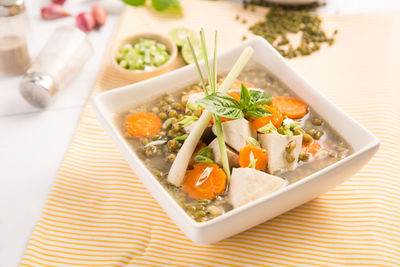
33 142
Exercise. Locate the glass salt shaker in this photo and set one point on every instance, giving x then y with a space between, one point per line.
14 28
63 55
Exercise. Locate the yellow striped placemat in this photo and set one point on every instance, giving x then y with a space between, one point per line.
98 213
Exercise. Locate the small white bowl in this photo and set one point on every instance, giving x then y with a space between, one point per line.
364 144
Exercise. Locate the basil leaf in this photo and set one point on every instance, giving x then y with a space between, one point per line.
134 2
244 97
259 98
257 112
222 105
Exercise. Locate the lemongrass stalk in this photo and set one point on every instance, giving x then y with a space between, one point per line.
236 69
205 56
196 62
215 73
177 172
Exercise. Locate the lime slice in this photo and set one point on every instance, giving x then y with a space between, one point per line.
187 52
179 36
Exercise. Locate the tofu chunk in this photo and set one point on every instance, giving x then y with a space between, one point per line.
248 184
236 133
233 157
275 145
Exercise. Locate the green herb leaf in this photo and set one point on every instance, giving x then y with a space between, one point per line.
257 112
251 102
252 141
267 129
200 202
202 159
204 151
221 105
181 138
192 106
253 161
289 125
188 120
260 98
134 2
244 97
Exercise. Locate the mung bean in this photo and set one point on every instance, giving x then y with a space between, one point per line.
289 158
307 138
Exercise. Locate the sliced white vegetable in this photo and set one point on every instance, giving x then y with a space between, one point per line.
156 143
236 133
233 157
248 184
178 169
275 145
189 129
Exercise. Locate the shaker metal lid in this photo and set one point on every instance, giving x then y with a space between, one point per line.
9 8
38 89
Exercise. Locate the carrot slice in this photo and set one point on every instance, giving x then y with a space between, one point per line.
237 85
291 107
276 118
143 124
312 147
259 155
199 146
205 181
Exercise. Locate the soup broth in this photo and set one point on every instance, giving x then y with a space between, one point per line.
159 151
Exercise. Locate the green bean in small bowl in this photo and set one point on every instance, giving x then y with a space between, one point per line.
144 55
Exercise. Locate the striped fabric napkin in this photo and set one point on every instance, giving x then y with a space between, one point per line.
98 213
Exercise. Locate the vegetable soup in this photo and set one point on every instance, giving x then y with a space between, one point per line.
266 152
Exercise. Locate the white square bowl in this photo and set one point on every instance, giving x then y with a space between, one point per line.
364 144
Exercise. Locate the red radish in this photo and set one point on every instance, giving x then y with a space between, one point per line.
99 14
85 21
58 2
54 11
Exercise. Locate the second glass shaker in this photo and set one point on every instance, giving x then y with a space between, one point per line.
59 61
